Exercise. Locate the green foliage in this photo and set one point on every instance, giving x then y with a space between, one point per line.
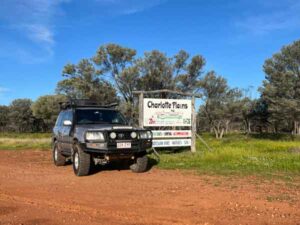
128 81
258 115
189 79
4 111
47 108
116 71
84 82
236 154
113 59
281 89
239 154
153 71
20 115
222 105
156 71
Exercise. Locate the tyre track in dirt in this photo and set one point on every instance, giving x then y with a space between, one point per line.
34 191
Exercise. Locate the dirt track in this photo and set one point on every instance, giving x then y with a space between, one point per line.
33 191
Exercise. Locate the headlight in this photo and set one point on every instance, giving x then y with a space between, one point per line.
113 135
133 135
145 135
94 136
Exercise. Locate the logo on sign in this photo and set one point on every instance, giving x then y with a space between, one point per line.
167 112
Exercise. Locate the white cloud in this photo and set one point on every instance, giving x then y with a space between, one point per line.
129 6
280 16
33 20
40 33
3 90
3 95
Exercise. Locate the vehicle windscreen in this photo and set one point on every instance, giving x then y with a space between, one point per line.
98 116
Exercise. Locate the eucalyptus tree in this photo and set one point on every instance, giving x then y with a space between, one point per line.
281 87
152 71
188 72
47 109
221 105
116 61
4 122
84 81
20 115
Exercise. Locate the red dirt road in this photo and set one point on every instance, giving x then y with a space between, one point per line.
34 191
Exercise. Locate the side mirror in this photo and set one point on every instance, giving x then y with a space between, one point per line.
67 123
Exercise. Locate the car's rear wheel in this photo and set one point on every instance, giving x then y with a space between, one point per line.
82 161
58 158
140 165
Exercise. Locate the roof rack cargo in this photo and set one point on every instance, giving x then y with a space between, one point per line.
75 103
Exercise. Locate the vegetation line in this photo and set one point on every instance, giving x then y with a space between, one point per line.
116 72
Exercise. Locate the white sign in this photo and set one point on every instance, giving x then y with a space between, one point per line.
171 133
167 112
171 143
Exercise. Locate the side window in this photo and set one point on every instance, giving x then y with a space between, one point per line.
64 115
69 116
60 119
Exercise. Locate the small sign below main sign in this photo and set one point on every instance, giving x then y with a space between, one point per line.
171 134
171 143
167 112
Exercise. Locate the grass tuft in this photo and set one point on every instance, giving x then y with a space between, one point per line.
239 154
17 141
236 154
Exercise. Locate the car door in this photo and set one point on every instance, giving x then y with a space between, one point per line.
66 132
57 130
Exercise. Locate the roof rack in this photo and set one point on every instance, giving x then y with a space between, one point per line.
76 103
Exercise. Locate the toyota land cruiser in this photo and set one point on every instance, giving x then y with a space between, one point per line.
92 134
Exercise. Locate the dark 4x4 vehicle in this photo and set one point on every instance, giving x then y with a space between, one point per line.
90 134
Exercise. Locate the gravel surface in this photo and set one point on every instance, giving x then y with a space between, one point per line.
34 191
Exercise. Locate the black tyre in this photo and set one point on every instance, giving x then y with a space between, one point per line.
58 158
140 165
81 161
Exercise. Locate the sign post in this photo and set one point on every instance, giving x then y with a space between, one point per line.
169 113
141 110
194 127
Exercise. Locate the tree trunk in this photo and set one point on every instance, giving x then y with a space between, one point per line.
218 130
296 130
226 126
221 134
216 133
249 127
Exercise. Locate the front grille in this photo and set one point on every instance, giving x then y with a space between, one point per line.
121 135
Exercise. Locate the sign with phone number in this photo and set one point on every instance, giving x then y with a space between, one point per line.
171 143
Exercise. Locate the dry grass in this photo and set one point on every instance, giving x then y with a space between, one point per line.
18 143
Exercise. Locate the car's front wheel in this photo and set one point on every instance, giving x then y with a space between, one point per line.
140 165
81 161
58 158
